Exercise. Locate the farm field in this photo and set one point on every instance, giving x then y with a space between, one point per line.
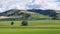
32 23
34 27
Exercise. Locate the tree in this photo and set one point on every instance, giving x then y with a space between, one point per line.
24 23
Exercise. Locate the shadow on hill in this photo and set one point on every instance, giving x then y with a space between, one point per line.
50 13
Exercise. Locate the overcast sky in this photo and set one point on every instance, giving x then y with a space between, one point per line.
29 4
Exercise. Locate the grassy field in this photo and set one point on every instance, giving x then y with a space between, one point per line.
33 23
34 27
28 31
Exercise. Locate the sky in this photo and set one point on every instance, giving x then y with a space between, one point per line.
29 4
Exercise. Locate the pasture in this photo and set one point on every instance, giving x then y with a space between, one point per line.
34 27
32 23
28 31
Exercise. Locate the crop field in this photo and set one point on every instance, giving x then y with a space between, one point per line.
34 27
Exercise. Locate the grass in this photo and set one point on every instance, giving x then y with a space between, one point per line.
37 23
34 27
36 15
28 31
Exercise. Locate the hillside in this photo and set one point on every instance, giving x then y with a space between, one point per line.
15 13
51 13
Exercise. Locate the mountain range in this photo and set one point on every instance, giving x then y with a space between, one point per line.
27 13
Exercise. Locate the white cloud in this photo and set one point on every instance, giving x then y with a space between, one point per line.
0 9
11 4
22 4
48 4
16 6
37 2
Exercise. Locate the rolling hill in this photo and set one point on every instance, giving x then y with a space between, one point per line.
28 14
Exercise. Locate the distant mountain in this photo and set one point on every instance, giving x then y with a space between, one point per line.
51 13
15 13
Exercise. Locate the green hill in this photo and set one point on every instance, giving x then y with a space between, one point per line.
16 14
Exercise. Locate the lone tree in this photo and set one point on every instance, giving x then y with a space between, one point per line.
12 23
24 23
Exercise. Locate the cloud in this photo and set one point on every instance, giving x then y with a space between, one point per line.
34 6
11 4
0 10
29 4
46 4
49 4
16 6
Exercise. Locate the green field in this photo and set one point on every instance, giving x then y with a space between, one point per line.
28 31
34 27
33 23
